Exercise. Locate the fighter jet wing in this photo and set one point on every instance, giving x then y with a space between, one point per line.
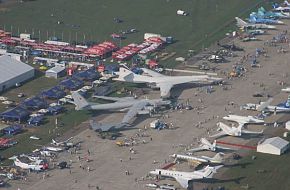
264 105
107 127
152 73
115 99
133 111
196 149
224 148
220 134
252 132
183 181
165 88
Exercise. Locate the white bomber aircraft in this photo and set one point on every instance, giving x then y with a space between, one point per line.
217 159
206 145
233 131
135 107
266 107
163 82
245 25
184 177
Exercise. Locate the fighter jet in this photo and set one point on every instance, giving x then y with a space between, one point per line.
262 13
206 145
255 32
163 82
135 106
231 47
184 177
266 107
283 9
234 131
217 159
245 25
286 8
256 20
62 143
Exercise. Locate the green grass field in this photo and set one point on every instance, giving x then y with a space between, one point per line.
208 20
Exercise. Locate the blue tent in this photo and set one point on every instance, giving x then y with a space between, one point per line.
54 110
18 113
35 120
12 130
111 68
35 103
53 93
71 84
87 75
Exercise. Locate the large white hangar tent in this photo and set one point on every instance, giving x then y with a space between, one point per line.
13 71
274 145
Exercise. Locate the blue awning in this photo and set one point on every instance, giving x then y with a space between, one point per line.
53 93
18 113
35 103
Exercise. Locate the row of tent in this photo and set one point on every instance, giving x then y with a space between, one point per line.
22 111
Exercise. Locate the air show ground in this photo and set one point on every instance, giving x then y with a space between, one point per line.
109 162
95 21
107 171
91 20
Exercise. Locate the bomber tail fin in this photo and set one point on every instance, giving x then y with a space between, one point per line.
79 101
205 141
218 158
240 22
209 171
125 74
53 141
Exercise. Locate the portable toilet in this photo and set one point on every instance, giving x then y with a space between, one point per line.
287 125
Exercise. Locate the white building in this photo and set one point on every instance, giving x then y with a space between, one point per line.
13 55
55 72
13 72
274 145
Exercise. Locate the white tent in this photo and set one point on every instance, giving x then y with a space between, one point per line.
274 145
55 72
13 71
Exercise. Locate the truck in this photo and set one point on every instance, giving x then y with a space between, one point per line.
150 35
24 36
181 13
122 143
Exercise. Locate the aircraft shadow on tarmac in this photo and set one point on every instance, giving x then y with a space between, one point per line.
235 180
244 136
242 165
214 181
